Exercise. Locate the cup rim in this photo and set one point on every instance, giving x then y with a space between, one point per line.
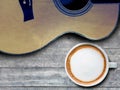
105 73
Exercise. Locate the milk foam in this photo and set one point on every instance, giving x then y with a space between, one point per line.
87 64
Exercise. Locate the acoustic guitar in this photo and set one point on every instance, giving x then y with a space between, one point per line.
28 25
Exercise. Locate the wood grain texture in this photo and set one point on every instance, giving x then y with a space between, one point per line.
48 77
54 88
44 69
48 58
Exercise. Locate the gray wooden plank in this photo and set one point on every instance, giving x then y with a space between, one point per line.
55 88
48 77
46 59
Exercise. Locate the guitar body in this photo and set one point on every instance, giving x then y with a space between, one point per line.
19 37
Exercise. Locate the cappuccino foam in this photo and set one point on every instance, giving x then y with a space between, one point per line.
87 64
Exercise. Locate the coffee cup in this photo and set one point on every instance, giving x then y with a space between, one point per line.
87 64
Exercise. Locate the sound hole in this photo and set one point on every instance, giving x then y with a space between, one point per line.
74 4
73 7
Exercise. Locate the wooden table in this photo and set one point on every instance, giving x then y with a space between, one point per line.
44 69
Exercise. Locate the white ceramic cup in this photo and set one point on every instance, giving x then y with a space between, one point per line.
87 73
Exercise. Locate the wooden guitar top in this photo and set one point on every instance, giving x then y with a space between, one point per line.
18 36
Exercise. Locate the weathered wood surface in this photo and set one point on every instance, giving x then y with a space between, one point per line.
44 69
